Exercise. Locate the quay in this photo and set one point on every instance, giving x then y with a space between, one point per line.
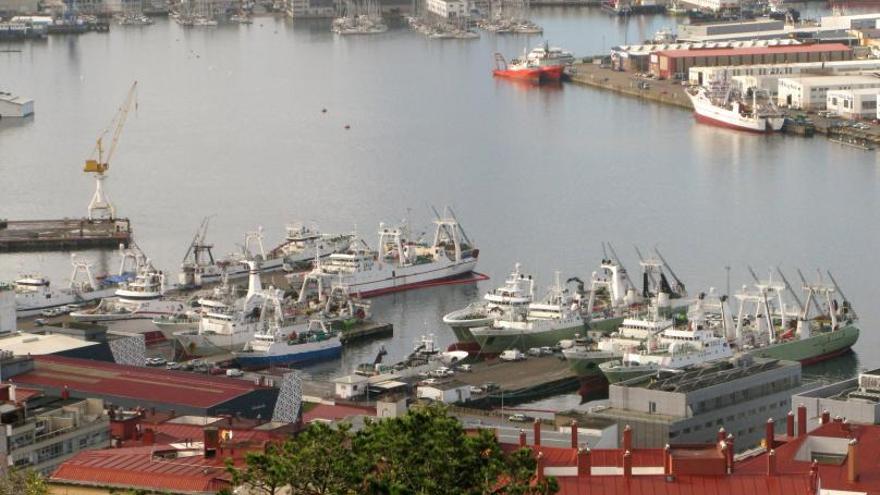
365 330
669 92
64 234
520 381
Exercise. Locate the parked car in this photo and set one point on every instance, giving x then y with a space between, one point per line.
490 386
234 372
40 322
512 355
465 368
216 370
429 381
172 365
156 361
520 418
476 390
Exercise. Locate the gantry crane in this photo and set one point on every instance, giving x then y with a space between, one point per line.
99 161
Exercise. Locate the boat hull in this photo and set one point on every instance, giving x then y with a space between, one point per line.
146 310
200 344
587 366
386 281
707 113
498 341
26 307
814 349
552 73
319 351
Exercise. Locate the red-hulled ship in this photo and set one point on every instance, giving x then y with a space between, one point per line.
528 70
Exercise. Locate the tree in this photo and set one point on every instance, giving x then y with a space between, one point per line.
23 482
426 452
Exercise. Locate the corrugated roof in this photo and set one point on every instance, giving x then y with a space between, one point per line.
148 384
141 468
685 485
768 50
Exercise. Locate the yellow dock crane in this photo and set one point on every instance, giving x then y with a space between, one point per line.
99 162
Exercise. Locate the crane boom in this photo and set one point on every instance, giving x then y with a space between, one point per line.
100 160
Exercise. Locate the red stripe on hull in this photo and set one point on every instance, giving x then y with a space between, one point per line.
536 74
458 279
825 357
720 123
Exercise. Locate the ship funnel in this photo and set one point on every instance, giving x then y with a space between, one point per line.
255 285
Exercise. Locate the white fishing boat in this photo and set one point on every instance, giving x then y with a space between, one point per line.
718 104
305 242
199 267
401 263
35 294
515 295
141 298
277 346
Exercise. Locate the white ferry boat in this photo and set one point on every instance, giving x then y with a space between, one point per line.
401 263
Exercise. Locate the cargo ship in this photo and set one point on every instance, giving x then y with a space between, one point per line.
400 263
719 105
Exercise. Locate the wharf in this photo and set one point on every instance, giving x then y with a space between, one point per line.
627 83
64 234
365 330
521 381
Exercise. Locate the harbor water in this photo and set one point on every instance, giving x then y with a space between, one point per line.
229 123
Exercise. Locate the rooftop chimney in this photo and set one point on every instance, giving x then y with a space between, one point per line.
852 461
522 437
65 393
789 424
771 463
149 437
627 464
574 434
211 440
838 419
584 464
801 420
731 449
826 417
537 431
722 434
770 434
540 468
667 459
627 438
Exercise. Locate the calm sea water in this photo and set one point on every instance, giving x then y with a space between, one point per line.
229 124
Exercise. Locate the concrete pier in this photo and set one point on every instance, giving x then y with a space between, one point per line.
62 235
627 83
521 381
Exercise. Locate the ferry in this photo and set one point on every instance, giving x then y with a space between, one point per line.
516 294
718 104
277 347
34 294
141 298
400 262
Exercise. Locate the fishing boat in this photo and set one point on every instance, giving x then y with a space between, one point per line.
141 298
279 347
515 295
424 357
35 294
401 263
525 70
199 267
718 104
546 55
305 242
542 323
177 322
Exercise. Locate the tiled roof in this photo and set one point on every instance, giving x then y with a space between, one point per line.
149 384
685 485
759 50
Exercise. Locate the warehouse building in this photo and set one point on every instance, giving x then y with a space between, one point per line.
132 386
853 104
772 72
811 93
666 64
856 399
686 31
690 407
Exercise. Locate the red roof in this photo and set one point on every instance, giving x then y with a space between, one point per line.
685 485
757 50
832 477
141 468
148 384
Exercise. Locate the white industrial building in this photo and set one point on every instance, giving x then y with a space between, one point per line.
446 392
713 5
857 21
351 386
15 106
701 75
810 93
854 104
448 9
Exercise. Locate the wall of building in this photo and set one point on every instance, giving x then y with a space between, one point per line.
853 105
14 7
823 399
447 9
811 93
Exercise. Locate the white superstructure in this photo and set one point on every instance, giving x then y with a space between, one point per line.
718 104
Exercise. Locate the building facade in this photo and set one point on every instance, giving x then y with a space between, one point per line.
447 9
811 93
853 104
856 399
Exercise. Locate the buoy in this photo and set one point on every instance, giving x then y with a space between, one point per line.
323 110
347 126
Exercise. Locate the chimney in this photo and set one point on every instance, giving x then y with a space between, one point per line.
771 463
789 424
770 434
801 420
722 434
826 417
211 440
65 393
667 459
149 437
537 431
584 464
814 476
540 468
838 419
731 450
522 437
852 461
627 438
627 465
574 434
13 393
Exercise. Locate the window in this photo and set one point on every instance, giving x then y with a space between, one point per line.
652 407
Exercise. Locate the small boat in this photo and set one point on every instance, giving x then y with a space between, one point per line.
525 70
277 346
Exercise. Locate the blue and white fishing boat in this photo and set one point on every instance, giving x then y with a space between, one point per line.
277 346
